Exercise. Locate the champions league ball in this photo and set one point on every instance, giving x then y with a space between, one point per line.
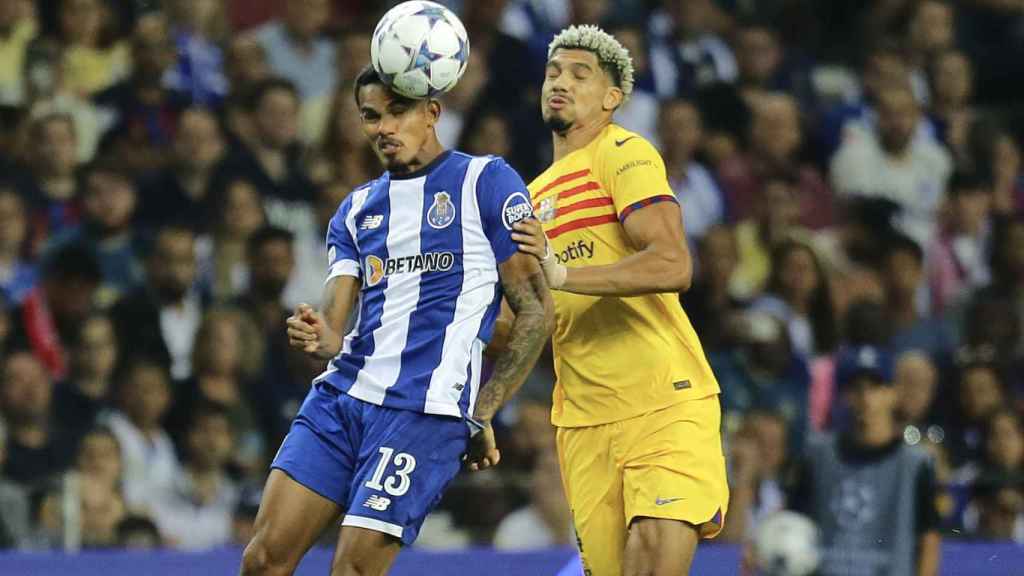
420 49
786 544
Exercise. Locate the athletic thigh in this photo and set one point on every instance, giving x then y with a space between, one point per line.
362 552
290 519
593 487
659 547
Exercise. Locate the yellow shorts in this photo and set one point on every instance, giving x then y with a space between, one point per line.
665 464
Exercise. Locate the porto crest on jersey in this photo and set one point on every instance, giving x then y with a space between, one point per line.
442 211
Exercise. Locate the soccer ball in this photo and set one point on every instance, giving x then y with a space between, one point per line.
420 49
786 544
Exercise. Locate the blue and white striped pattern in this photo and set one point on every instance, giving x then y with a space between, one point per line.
427 248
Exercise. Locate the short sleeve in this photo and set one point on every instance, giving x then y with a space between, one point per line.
342 255
504 200
633 173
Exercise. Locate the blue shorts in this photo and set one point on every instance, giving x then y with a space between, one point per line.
387 468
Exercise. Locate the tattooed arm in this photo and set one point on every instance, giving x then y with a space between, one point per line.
529 298
319 333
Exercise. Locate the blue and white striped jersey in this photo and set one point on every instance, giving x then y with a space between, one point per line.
427 248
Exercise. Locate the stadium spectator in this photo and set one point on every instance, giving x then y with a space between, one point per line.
353 47
680 133
798 292
686 52
282 384
916 380
198 27
1008 180
146 111
150 464
17 270
979 395
958 257
761 372
227 359
913 172
1004 444
17 29
343 154
181 191
459 103
998 510
773 219
872 496
757 465
903 277
136 532
99 458
296 50
546 521
160 319
51 313
238 212
271 157
930 31
49 185
774 145
952 89
109 201
709 304
15 524
640 112
488 132
37 446
81 399
94 57
196 512
102 509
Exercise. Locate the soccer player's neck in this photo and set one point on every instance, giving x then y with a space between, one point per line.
577 136
431 149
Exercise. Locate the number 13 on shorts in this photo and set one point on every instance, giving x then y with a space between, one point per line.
401 466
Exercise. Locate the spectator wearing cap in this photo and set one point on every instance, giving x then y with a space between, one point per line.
296 49
872 496
894 164
958 258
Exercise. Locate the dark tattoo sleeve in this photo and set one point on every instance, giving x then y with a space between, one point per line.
530 300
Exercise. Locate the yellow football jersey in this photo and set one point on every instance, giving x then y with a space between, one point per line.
615 357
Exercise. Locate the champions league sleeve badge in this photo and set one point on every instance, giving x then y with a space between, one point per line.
442 211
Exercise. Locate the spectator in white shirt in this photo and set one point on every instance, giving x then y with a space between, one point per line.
912 172
196 512
680 131
150 464
296 50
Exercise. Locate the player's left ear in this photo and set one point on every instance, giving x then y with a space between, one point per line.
613 97
433 111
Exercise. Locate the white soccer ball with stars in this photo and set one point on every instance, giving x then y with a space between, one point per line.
420 49
786 544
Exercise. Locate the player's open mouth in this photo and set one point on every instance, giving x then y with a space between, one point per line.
388 147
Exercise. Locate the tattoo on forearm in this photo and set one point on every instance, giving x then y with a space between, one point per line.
526 340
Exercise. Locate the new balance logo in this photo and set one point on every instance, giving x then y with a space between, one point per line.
378 503
372 222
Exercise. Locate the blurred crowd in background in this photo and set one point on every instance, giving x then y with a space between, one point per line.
849 171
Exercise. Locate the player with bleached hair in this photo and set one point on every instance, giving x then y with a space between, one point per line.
635 404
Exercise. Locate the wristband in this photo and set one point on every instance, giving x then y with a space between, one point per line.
554 272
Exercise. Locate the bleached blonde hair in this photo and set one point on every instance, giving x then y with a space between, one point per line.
610 52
